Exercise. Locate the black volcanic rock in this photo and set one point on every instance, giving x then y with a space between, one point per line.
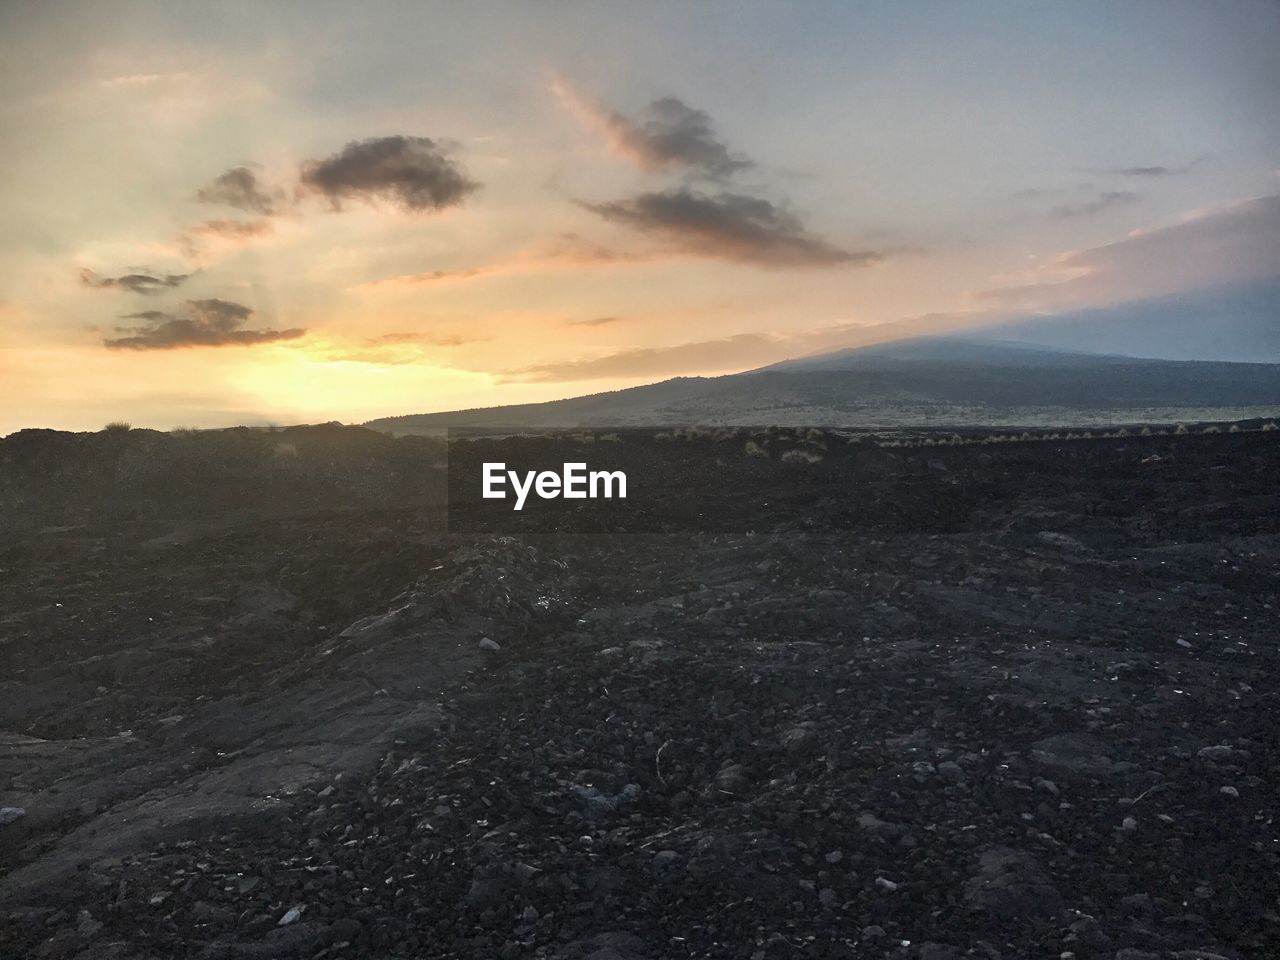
885 709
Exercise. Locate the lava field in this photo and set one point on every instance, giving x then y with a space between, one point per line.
921 701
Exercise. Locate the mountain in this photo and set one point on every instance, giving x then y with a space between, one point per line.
924 381
1235 323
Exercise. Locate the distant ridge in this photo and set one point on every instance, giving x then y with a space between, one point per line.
929 380
1238 323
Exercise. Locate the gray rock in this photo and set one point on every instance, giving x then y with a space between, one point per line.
950 770
291 916
1055 539
731 778
1089 932
86 925
881 828
1138 904
491 645
1046 786
10 814
1219 751
665 859
346 930
1010 884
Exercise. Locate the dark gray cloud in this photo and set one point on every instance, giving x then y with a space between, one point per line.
197 323
593 321
238 188
672 134
669 133
729 226
1103 201
413 172
144 283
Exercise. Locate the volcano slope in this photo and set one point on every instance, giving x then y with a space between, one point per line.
1009 700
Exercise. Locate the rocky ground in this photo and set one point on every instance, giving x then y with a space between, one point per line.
1014 700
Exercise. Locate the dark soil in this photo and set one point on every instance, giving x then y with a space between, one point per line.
1009 700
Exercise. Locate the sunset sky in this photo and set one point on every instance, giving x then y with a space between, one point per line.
226 213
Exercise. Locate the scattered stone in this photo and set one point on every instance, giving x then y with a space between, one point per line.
1217 752
881 828
1064 540
1229 791
491 645
10 815
1045 786
290 916
86 926
346 930
1009 884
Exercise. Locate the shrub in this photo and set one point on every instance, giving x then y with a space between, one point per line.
117 426
801 456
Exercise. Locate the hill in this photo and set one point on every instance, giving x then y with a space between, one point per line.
928 380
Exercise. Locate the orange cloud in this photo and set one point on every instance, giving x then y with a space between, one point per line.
569 252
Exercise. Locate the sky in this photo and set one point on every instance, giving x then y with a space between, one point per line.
213 214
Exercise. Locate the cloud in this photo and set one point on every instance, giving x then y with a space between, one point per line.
238 188
1234 243
568 252
1154 170
144 283
392 349
238 231
413 172
133 80
430 339
728 226
668 134
1103 201
199 323
1143 171
732 353
593 321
